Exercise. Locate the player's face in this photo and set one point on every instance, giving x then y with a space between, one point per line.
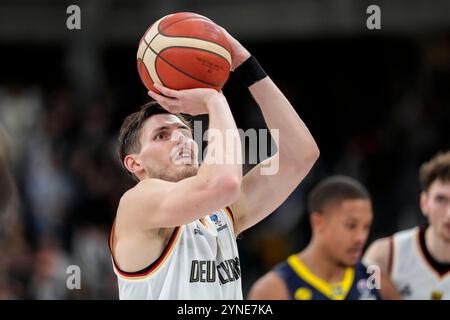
346 229
168 151
435 204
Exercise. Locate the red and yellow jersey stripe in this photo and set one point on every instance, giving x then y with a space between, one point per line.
152 268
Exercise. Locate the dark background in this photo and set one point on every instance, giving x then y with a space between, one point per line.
376 101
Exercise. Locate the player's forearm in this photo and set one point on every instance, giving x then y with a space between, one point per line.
295 141
223 156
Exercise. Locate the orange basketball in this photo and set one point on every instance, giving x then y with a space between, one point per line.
184 51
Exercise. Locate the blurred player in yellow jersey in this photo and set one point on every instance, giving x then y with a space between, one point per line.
330 267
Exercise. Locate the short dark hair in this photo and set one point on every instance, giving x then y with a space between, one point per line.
335 190
130 130
437 168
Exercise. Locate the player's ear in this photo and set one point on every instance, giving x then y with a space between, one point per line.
317 221
423 203
131 163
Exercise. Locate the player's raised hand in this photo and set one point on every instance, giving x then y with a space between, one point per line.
238 52
190 101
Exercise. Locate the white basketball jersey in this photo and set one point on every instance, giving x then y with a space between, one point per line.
411 272
199 262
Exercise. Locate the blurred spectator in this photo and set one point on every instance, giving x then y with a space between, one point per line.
8 191
47 186
20 110
89 254
49 274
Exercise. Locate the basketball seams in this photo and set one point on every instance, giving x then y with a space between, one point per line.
150 29
208 46
158 78
197 38
171 24
185 73
184 19
204 40
175 22
197 49
178 69
155 67
194 43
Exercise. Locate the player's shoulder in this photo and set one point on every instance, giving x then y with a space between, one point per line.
381 244
407 233
142 186
379 253
384 245
142 189
138 203
271 286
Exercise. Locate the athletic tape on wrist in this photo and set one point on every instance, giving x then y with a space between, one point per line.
250 71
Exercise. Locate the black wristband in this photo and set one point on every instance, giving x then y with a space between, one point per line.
250 71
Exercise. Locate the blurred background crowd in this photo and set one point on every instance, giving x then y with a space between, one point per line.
377 103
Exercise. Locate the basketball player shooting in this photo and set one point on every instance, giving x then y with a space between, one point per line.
174 236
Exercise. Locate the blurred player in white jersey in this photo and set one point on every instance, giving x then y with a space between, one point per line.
418 259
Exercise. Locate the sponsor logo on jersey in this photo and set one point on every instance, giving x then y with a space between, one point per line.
198 231
219 224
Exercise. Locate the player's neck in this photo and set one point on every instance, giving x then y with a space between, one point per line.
320 265
438 248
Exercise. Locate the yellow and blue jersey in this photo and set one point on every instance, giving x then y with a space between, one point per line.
302 284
